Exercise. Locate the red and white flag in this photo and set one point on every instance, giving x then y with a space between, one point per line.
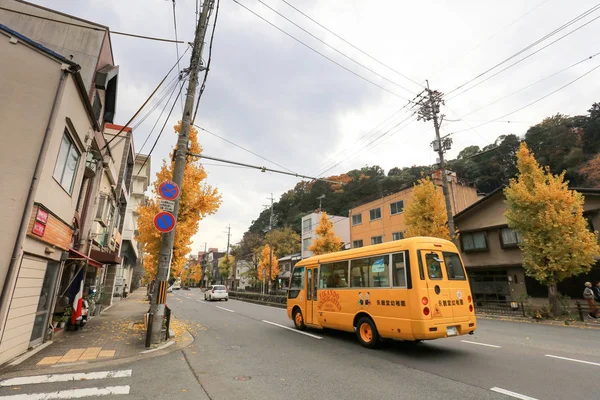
78 297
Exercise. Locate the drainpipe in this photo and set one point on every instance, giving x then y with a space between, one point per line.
13 268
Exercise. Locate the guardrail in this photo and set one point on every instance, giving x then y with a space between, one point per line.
268 299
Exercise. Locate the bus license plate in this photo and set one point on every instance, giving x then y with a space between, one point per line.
451 331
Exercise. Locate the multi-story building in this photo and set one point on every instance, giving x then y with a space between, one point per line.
309 226
44 98
382 220
139 185
286 264
210 264
243 281
490 251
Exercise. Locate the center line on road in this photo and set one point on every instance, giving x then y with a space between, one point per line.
30 380
481 344
574 360
226 309
71 394
512 394
293 330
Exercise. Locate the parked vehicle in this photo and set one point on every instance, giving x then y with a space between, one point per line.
216 292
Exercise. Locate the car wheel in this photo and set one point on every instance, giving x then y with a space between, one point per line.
299 320
367 334
226 298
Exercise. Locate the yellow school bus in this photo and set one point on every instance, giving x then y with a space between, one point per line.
412 289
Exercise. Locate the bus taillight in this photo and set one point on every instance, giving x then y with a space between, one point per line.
471 307
469 298
425 301
426 311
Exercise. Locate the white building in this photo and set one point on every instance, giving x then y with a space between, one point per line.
341 227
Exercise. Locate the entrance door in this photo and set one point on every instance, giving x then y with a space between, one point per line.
311 294
40 323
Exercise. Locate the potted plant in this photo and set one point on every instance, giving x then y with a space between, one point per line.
65 317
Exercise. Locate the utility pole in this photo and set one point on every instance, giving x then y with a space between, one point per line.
166 247
270 245
429 108
227 254
321 197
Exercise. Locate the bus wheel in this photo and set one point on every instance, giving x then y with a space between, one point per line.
299 320
367 333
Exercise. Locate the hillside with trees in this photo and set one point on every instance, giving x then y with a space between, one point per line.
563 143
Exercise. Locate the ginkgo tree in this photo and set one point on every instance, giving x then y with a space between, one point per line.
197 200
326 241
225 265
557 243
425 214
267 260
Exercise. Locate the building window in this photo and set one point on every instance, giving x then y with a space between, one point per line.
510 238
306 244
357 243
307 225
397 235
474 241
66 163
397 207
376 239
375 213
357 219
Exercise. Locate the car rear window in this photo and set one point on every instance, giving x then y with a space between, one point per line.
220 287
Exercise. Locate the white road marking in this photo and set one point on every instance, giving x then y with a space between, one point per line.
30 380
71 394
293 330
512 394
258 305
573 359
226 309
481 344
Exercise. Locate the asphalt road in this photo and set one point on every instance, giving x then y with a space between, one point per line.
244 351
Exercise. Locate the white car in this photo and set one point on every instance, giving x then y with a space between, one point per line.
176 285
216 292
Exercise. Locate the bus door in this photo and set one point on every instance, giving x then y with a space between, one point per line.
312 275
440 298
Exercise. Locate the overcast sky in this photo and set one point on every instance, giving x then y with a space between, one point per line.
270 94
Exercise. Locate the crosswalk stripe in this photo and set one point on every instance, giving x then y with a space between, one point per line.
71 394
30 380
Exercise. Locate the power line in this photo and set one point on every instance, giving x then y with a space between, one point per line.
562 27
447 64
161 130
210 46
533 102
177 45
243 148
353 46
104 28
318 52
524 58
533 84
145 102
264 169
333 48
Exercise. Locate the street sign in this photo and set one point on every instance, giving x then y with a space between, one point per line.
164 222
167 205
168 190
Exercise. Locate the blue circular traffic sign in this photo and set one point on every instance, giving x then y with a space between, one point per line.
168 190
164 222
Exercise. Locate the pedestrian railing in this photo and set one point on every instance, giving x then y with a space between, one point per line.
500 307
276 300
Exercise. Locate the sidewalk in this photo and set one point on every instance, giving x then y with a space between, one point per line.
118 333
587 324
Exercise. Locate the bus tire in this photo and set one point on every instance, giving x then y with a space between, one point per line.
299 320
367 334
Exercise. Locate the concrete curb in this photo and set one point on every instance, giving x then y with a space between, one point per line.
264 303
572 324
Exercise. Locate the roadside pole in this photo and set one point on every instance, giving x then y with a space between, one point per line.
157 307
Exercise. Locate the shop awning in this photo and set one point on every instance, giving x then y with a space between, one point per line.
75 255
105 257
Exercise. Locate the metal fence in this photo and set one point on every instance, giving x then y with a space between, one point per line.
275 300
500 307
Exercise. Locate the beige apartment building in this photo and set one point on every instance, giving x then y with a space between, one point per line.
382 220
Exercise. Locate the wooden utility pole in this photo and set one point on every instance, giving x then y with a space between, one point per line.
270 245
157 308
429 108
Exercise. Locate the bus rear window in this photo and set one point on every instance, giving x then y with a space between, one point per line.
434 269
454 267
